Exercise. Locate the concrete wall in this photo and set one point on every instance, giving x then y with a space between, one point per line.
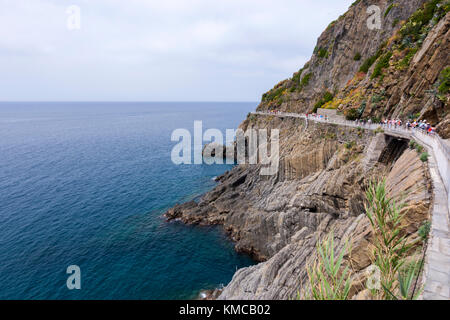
442 153
443 160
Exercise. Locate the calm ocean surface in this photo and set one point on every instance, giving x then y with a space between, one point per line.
87 183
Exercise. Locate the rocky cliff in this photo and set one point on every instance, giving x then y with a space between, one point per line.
325 169
398 69
319 188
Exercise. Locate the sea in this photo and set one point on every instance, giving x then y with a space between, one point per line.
86 184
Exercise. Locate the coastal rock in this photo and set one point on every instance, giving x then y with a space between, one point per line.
406 86
279 219
284 274
324 169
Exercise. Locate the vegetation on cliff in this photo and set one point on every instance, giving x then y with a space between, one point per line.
395 269
329 279
444 81
327 97
390 245
297 223
384 65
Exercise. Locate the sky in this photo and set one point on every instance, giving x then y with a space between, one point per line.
148 50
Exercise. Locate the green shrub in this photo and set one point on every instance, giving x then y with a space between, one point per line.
327 97
407 59
362 108
382 63
424 157
273 94
322 53
378 97
357 56
251 117
417 25
328 278
370 61
412 144
445 8
367 64
444 80
305 80
424 230
430 9
419 148
296 76
350 144
351 114
389 9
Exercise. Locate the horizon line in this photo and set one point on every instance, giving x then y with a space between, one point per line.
124 101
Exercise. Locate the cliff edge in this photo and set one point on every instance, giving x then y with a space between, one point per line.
399 70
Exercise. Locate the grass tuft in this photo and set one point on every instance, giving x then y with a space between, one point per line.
328 278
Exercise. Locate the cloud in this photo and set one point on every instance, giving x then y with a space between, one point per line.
156 50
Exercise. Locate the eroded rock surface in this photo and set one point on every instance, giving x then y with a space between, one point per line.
319 188
404 87
325 169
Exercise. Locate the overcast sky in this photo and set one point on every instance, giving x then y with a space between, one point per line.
148 50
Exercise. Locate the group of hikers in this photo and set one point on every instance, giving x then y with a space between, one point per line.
422 125
392 123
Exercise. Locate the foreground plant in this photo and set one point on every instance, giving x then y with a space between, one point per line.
328 278
407 280
390 243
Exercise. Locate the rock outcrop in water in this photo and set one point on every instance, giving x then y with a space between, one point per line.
325 169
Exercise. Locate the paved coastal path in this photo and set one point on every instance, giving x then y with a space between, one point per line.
436 275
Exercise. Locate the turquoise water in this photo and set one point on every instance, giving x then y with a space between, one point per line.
87 183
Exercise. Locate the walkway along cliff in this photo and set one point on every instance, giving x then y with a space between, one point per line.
401 71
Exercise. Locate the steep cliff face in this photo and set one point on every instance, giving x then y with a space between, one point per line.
397 71
284 274
319 188
394 71
317 176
